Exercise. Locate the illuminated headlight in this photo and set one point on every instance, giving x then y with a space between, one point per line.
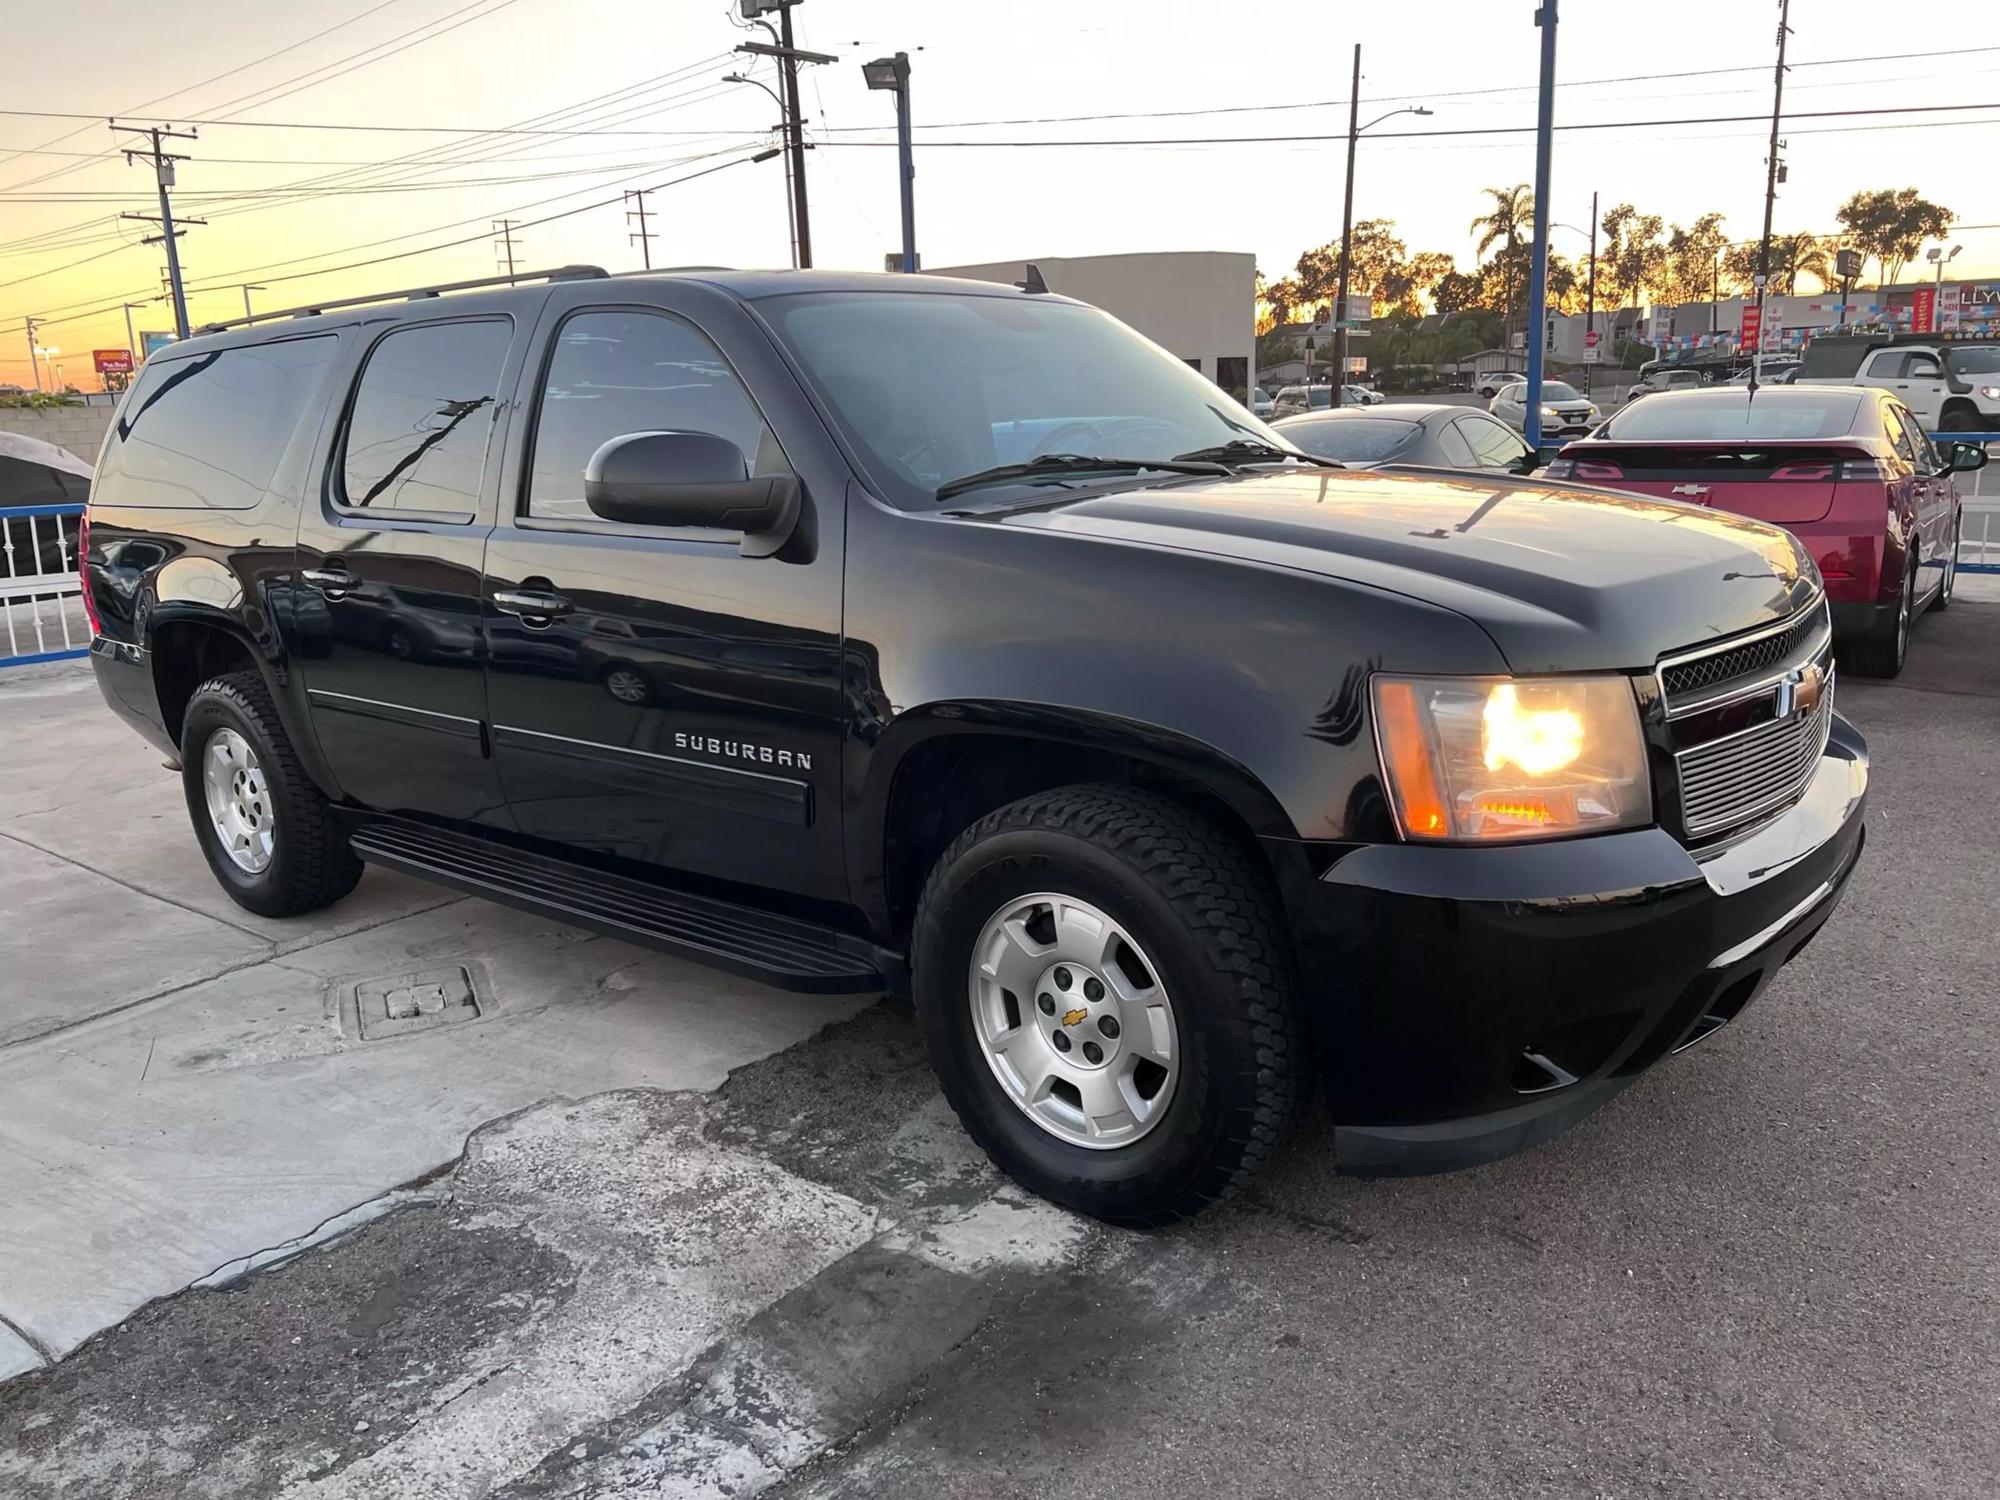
1550 411
1485 759
1990 392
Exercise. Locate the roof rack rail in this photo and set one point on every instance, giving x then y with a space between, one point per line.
409 294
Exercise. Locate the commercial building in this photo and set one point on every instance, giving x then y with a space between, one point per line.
1199 304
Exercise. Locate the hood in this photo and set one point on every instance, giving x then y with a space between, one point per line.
1562 578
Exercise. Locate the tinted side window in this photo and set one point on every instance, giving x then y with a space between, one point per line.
1493 446
1920 444
1887 365
1457 452
621 371
416 438
210 430
1922 367
1899 434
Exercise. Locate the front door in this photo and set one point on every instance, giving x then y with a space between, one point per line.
390 547
656 695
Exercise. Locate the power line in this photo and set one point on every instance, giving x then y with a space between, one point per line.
1470 130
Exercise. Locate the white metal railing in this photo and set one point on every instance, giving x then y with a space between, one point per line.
41 592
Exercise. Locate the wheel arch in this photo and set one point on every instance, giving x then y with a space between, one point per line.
188 643
939 769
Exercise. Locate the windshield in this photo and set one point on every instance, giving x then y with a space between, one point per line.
1980 361
1350 440
1692 418
933 386
1555 390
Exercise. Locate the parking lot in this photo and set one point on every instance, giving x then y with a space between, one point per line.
638 1228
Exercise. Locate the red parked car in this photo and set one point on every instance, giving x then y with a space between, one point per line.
1846 469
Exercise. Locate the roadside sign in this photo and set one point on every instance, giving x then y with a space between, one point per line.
1923 310
1753 325
1592 354
1590 339
112 361
152 343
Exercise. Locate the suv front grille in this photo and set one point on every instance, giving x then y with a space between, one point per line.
1730 781
1685 678
1747 721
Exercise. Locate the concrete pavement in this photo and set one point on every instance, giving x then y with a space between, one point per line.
1766 1269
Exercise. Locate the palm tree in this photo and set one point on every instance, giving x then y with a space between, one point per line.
1792 254
1513 210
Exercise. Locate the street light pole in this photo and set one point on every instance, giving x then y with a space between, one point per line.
248 288
893 75
1538 268
1346 234
791 203
1340 318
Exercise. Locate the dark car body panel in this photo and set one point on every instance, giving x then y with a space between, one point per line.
775 720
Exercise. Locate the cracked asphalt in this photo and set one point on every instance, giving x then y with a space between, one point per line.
1768 1269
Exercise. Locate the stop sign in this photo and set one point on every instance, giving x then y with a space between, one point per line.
1590 339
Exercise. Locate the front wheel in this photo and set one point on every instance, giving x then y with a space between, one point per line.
1108 998
268 833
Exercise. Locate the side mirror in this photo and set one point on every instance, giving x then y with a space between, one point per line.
690 479
1962 458
1537 458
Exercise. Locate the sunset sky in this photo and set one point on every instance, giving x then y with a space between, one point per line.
630 94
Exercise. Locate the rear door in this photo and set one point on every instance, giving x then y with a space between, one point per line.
392 537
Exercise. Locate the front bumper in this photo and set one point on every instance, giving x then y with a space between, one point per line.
1483 1000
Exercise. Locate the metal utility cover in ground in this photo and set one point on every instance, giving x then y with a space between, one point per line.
397 1004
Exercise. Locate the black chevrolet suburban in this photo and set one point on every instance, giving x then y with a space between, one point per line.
892 632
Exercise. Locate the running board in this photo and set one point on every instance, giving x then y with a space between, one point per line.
779 951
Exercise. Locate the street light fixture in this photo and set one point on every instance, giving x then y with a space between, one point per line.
892 74
1354 133
1936 256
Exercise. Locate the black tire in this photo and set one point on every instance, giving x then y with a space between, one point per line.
1207 915
1960 419
1883 655
311 865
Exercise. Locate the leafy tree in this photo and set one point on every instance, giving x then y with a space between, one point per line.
1792 256
1688 271
1410 280
1512 211
1631 258
1892 224
1272 349
1455 292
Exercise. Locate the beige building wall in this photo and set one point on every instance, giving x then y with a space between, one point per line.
1198 304
80 429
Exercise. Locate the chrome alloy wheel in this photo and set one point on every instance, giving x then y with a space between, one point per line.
1074 1021
239 801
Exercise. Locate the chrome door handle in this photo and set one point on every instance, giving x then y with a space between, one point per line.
335 582
532 607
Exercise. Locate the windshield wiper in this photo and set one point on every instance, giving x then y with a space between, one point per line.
1052 465
1243 451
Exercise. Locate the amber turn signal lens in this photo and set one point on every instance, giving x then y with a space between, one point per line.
1412 772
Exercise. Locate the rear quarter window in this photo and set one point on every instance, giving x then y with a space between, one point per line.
208 431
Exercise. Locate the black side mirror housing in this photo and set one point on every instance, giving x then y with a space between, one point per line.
1963 458
1536 459
690 479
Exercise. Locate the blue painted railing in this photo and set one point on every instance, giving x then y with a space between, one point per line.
41 590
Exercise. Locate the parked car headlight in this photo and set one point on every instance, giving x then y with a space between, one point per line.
1490 759
1990 392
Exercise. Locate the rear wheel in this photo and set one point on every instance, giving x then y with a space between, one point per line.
267 832
1109 1001
1960 419
1883 655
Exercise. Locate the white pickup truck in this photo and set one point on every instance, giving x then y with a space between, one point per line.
1951 386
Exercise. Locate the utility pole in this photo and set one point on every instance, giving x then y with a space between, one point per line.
1538 268
644 235
1590 290
1346 233
163 175
1770 190
504 230
789 57
34 358
131 343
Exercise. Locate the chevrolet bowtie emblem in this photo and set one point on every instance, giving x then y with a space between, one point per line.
1799 691
1075 1017
1690 489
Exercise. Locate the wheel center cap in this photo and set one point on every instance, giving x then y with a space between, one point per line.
1078 1015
